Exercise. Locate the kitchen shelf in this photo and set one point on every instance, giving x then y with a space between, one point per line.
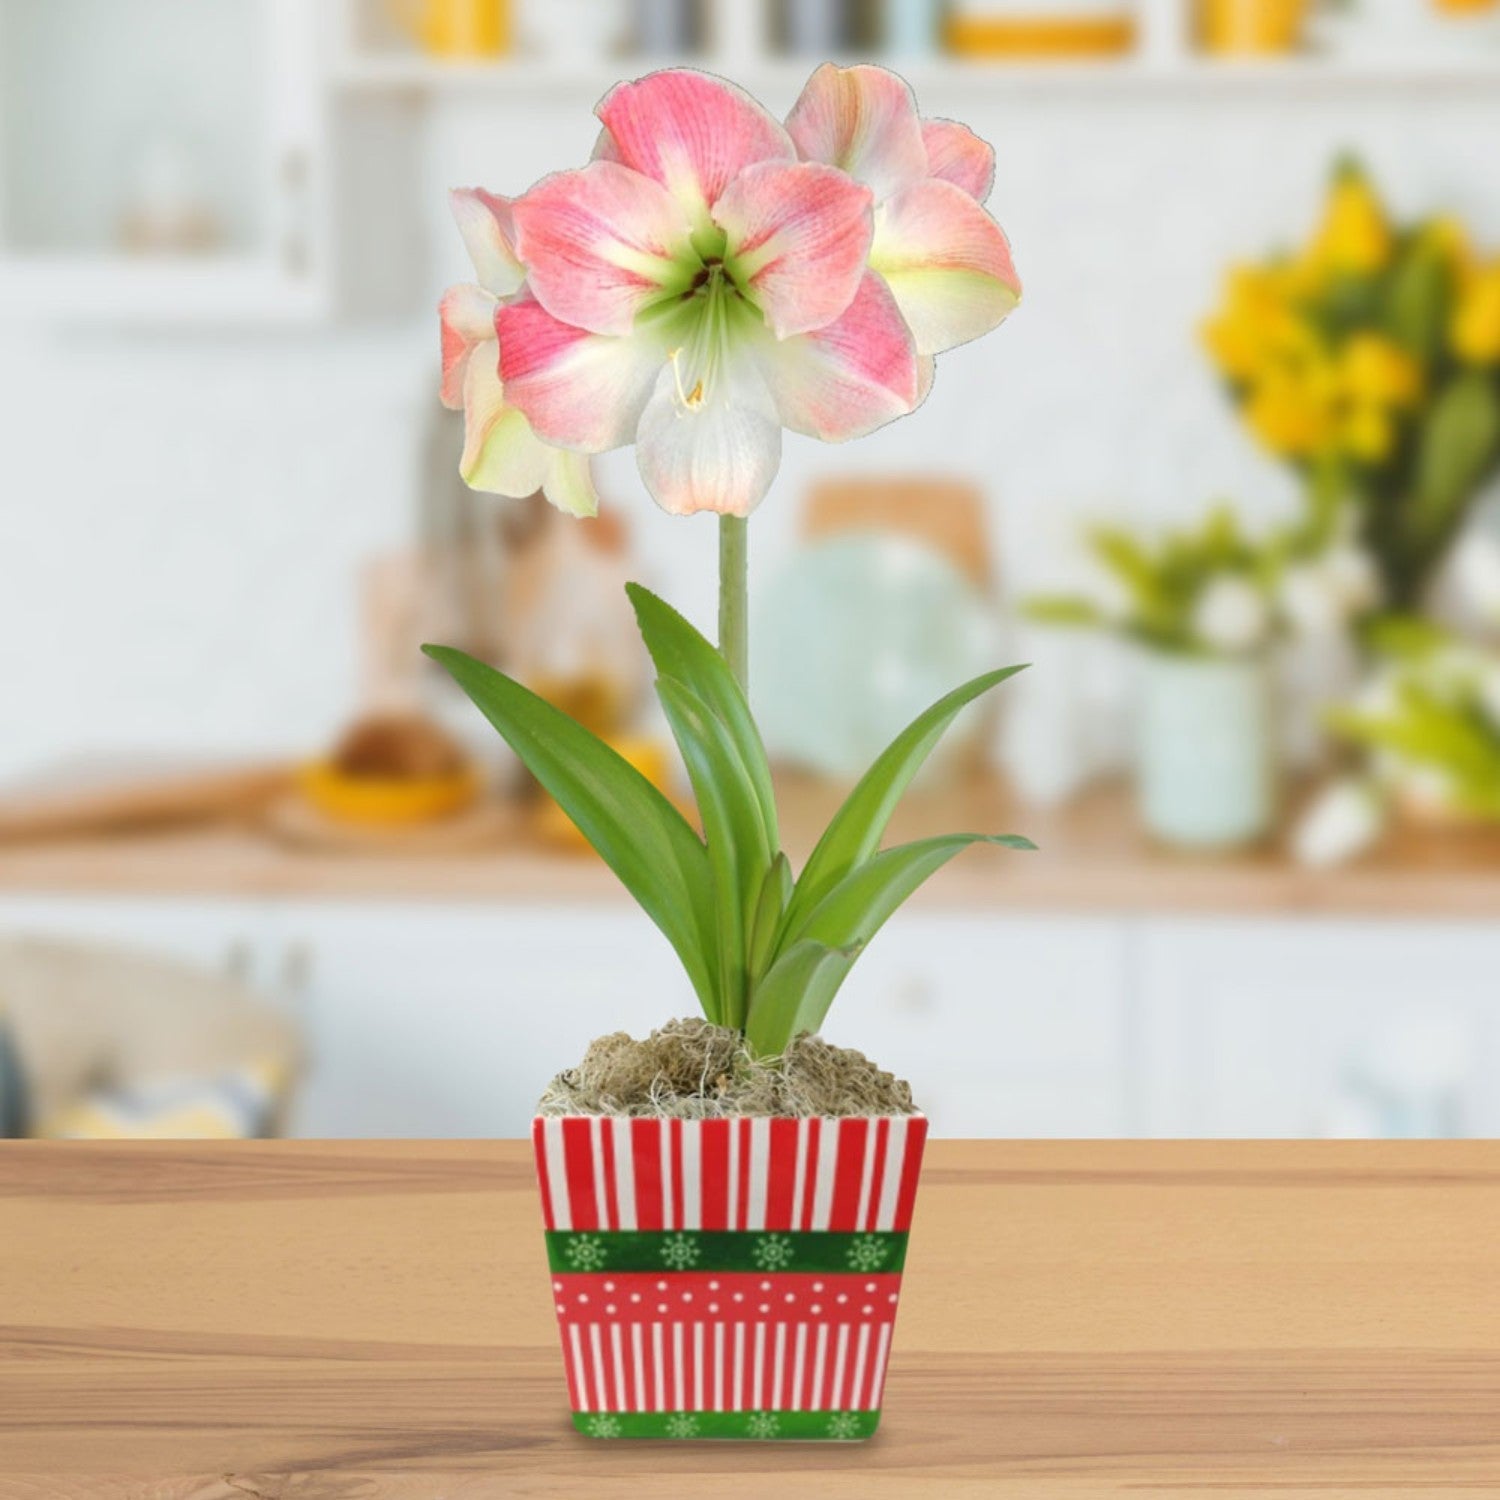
413 73
1092 857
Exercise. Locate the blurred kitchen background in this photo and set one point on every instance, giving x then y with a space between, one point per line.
1222 478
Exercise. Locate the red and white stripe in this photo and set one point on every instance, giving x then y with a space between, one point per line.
843 1175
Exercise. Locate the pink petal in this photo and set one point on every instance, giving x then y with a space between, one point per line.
579 390
694 133
799 234
957 155
849 378
947 262
466 316
721 456
864 121
484 220
600 244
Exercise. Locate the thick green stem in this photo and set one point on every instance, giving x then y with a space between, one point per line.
734 596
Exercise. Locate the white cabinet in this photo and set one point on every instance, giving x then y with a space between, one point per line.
1010 1026
1303 1028
448 1021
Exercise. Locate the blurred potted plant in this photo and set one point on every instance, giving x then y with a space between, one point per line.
1369 360
726 1211
1427 726
1204 604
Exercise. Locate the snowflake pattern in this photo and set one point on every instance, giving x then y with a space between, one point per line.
762 1424
867 1253
682 1424
604 1426
773 1252
680 1251
585 1252
843 1425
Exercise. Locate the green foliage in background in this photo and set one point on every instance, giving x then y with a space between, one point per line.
765 952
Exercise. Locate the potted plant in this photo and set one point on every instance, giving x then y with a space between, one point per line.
1204 604
725 1238
1369 360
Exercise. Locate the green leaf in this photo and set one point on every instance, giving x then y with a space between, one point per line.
775 892
1419 299
1460 442
858 826
1062 609
637 832
681 652
795 994
737 854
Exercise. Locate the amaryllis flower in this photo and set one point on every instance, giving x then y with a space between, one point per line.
694 290
501 454
943 258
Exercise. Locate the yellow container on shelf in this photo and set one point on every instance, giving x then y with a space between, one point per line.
456 28
984 29
1250 28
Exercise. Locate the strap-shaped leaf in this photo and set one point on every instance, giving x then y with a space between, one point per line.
737 854
681 652
858 826
795 995
857 907
637 832
775 892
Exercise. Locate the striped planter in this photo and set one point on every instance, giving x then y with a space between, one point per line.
727 1278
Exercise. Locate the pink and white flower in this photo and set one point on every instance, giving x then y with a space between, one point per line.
502 455
712 277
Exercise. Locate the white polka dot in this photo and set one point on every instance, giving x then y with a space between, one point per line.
891 1298
713 1286
713 1307
817 1286
687 1296
843 1297
764 1307
739 1296
561 1308
557 1286
583 1296
816 1309
791 1296
765 1286
661 1286
869 1286
635 1296
609 1286
868 1309
610 1309
661 1307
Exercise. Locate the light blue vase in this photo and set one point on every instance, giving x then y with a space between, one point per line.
1205 772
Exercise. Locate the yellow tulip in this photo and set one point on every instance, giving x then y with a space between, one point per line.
1367 432
1451 241
1475 331
1354 238
1374 371
1256 324
1290 414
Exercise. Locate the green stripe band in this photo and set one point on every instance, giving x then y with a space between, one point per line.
725 1250
755 1426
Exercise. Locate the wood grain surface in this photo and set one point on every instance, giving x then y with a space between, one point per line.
361 1320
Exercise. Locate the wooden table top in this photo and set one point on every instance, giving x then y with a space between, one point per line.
326 1321
1093 857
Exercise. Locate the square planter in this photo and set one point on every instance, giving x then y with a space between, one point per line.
732 1278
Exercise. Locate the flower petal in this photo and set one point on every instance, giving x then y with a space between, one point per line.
957 155
601 243
690 131
847 379
569 484
864 121
484 220
947 262
798 235
466 316
578 389
720 456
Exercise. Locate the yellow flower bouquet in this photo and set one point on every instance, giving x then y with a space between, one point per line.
1370 360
